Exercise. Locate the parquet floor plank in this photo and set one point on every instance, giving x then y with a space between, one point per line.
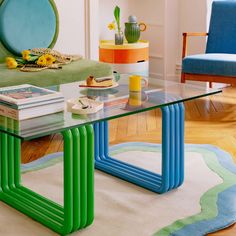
132 125
151 120
113 129
142 123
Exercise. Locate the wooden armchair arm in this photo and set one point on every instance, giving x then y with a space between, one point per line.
195 34
185 42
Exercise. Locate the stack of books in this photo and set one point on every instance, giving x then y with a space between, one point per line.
27 101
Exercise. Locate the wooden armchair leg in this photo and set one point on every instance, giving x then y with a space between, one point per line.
182 78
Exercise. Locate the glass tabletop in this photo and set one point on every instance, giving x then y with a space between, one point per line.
117 102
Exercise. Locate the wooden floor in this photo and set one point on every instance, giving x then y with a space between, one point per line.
210 120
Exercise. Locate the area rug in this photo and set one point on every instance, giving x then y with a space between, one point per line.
205 203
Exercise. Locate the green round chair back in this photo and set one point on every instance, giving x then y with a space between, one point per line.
27 24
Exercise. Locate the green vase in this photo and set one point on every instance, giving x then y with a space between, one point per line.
132 32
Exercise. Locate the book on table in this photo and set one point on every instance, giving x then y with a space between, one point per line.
33 125
27 101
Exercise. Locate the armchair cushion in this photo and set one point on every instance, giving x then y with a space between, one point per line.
222 31
75 71
210 64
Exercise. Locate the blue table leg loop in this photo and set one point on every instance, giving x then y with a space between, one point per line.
172 175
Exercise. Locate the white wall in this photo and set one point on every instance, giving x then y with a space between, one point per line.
209 4
71 27
106 15
93 29
172 35
151 12
193 18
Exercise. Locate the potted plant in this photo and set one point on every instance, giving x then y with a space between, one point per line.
115 25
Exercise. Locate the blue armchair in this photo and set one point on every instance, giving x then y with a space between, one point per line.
218 64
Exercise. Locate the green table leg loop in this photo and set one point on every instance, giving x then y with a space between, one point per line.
4 161
76 179
90 174
78 209
83 175
68 182
11 156
17 150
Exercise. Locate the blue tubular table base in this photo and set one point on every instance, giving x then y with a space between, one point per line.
172 154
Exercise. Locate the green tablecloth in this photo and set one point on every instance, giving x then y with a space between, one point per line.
76 71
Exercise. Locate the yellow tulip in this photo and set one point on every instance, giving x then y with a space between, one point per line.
26 55
49 59
112 26
11 63
42 61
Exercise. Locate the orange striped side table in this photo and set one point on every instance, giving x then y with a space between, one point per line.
127 58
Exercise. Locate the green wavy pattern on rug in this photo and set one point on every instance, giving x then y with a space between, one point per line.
209 199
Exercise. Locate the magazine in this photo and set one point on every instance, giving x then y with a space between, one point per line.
26 94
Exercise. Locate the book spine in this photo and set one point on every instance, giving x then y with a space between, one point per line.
9 112
25 117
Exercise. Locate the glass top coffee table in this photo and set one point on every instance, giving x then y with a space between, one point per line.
86 141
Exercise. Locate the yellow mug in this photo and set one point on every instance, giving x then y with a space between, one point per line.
135 83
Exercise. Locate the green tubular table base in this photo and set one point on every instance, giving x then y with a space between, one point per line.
78 210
